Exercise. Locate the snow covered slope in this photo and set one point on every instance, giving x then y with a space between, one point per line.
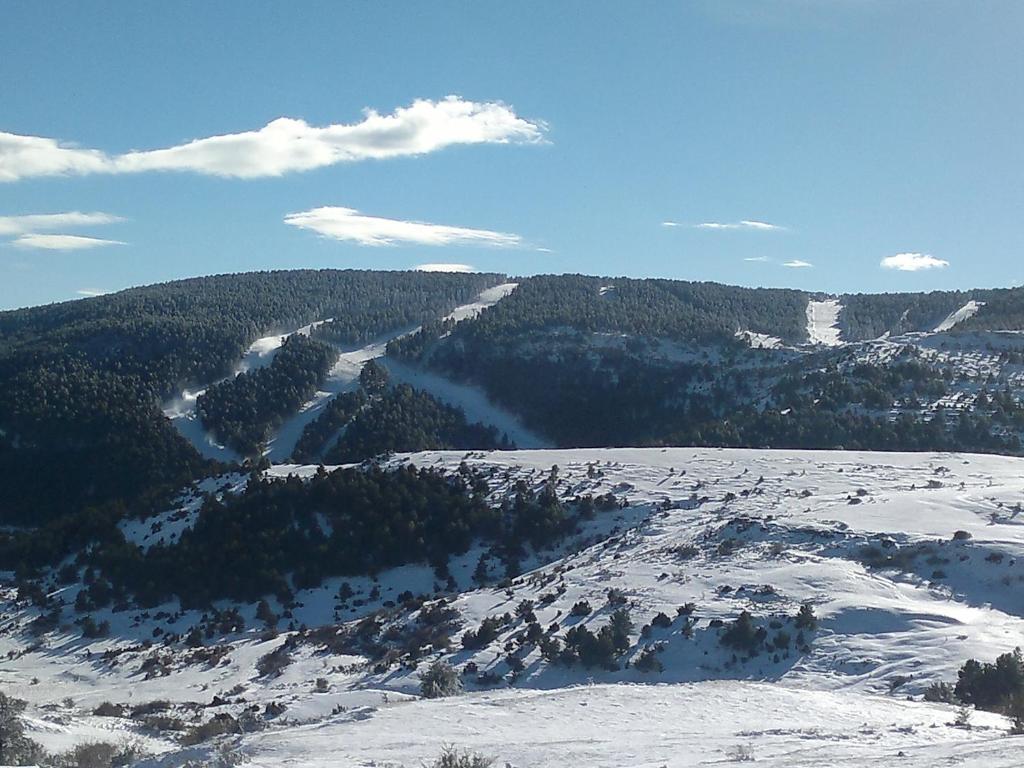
912 562
967 311
343 377
823 322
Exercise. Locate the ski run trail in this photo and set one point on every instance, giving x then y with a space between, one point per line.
344 377
823 322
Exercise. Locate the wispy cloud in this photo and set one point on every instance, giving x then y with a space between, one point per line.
760 259
61 242
349 224
913 262
444 268
285 145
27 230
797 264
91 292
670 223
41 222
761 226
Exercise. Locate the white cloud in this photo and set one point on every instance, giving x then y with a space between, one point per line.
797 264
444 268
670 223
91 292
61 242
761 226
913 262
760 259
287 144
350 224
36 222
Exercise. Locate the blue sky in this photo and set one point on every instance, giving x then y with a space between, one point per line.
844 133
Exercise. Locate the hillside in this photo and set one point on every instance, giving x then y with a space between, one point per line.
909 564
551 360
243 516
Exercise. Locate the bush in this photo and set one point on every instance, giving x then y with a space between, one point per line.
581 608
662 621
486 633
452 758
994 686
743 634
98 755
805 618
941 693
648 660
15 747
441 679
274 663
107 709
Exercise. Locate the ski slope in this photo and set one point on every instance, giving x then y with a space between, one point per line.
181 410
344 377
472 400
966 312
487 298
823 322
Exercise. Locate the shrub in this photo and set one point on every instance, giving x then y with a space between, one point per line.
941 693
440 680
992 686
274 663
743 634
107 709
486 633
581 608
15 747
452 758
662 621
616 597
215 726
98 755
648 660
805 618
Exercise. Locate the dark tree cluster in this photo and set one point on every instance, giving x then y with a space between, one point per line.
74 436
242 411
670 309
321 433
347 522
404 419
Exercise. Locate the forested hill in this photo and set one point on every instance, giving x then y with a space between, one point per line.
581 360
869 316
191 331
670 309
81 382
